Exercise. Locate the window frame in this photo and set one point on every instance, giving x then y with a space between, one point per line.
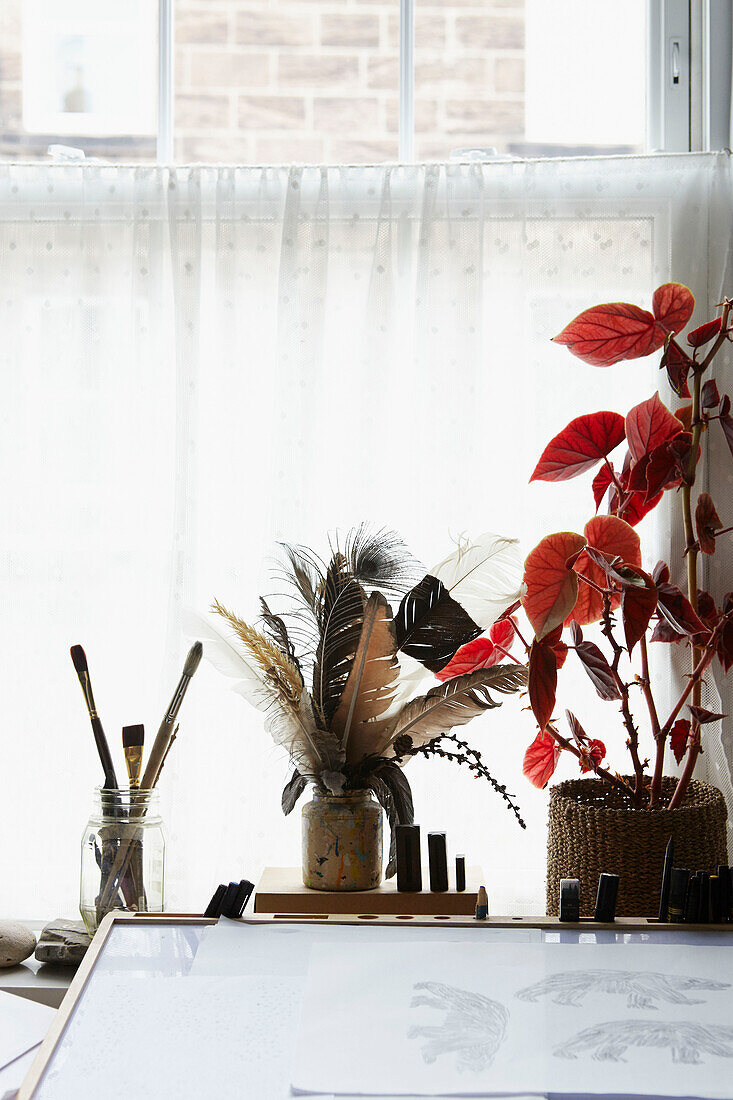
689 77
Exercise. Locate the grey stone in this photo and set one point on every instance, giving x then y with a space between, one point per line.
16 943
63 941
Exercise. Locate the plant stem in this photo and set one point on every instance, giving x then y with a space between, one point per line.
691 553
646 689
633 742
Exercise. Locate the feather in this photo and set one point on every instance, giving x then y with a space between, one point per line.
379 559
292 791
304 571
288 714
455 702
269 656
430 625
371 684
227 658
340 614
279 633
483 576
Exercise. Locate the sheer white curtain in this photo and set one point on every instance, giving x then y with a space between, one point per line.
200 361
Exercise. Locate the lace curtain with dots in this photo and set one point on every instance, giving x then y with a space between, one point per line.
197 362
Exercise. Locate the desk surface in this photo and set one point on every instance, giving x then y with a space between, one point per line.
156 990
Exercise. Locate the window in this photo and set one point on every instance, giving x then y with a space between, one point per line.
315 81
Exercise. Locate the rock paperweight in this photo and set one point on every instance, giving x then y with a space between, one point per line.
64 942
16 943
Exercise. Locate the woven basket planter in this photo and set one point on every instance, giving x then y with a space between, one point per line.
592 829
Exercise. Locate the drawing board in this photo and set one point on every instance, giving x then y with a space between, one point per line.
184 1007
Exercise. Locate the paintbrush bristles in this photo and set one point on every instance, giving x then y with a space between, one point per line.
133 736
79 658
193 659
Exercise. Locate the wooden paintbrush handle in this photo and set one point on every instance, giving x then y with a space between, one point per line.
157 754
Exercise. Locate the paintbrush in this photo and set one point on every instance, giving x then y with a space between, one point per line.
165 734
133 739
79 658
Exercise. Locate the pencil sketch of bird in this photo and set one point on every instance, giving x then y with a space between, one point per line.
473 1028
687 1042
641 988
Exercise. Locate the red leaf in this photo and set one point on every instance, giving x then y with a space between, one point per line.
502 633
664 632
550 586
678 364
673 304
613 538
591 756
724 405
542 681
677 610
601 481
703 716
726 423
637 607
704 333
637 507
678 738
709 396
706 609
540 759
707 522
599 670
667 464
724 647
648 425
660 573
479 653
579 446
576 633
604 334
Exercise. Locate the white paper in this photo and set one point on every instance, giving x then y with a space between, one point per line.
23 1024
177 1039
481 1019
236 949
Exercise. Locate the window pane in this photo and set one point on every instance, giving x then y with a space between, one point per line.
275 82
80 73
530 77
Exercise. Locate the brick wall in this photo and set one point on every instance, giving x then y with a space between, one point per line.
272 81
314 80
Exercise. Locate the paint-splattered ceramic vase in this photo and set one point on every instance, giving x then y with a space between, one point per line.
342 842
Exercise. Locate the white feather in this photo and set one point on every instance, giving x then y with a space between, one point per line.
483 576
227 659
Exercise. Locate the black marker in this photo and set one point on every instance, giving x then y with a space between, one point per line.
438 862
676 910
691 902
244 893
725 899
714 899
666 881
704 914
570 899
606 898
460 874
409 870
213 909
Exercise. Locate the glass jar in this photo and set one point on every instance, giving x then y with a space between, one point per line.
122 855
342 842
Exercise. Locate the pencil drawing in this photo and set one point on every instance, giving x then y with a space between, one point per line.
687 1042
473 1028
641 987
